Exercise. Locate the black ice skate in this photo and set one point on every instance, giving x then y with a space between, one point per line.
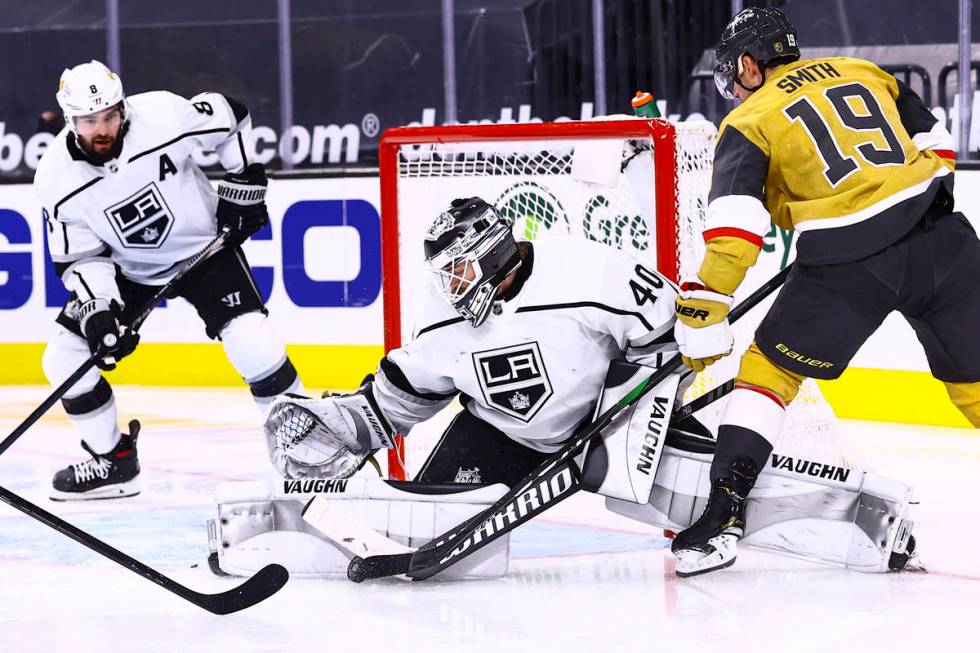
111 475
709 543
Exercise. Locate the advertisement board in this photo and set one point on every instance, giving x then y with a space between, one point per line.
318 266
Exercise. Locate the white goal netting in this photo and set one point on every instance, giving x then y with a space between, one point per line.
614 188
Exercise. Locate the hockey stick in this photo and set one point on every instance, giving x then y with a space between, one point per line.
259 587
709 397
144 312
552 481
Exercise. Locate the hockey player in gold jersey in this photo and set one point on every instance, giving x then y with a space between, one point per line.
850 158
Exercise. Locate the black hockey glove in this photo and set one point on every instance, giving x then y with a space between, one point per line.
109 340
241 202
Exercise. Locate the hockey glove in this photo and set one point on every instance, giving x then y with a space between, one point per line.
702 331
107 338
326 438
241 203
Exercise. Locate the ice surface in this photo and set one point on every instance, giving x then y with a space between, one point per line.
581 579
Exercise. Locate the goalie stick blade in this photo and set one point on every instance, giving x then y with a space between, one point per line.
362 569
338 525
269 580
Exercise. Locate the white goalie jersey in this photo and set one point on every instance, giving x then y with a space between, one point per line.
149 209
536 367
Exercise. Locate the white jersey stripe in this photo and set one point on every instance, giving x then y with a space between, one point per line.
740 212
873 210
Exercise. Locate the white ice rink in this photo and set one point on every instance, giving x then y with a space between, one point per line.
580 579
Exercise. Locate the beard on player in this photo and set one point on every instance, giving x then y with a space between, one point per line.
100 135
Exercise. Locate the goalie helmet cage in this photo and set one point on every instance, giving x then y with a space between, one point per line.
640 185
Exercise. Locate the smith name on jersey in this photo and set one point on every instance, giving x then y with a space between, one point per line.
151 208
835 148
535 368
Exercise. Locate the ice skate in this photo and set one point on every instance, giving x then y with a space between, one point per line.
710 542
111 475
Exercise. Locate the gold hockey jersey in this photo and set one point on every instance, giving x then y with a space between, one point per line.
835 148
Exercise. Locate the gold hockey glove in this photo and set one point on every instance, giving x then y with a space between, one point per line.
702 331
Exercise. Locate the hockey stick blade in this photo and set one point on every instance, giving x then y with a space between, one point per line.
334 522
505 515
265 583
379 566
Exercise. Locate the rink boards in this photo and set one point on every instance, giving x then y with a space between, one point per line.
319 268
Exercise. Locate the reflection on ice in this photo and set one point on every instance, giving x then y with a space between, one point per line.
581 580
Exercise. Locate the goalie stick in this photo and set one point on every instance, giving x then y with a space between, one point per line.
555 479
359 540
259 587
144 312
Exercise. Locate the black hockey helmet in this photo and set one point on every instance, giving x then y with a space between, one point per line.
766 34
471 249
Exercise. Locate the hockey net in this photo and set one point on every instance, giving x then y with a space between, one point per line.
637 185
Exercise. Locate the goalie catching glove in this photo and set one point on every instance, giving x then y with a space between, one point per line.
702 331
326 438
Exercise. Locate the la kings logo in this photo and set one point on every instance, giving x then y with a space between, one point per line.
142 220
514 380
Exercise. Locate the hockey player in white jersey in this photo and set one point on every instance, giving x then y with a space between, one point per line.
525 340
124 206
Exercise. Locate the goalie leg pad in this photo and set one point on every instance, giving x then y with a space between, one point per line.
259 523
623 464
804 508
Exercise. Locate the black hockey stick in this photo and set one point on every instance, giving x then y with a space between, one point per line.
552 481
144 312
709 397
259 587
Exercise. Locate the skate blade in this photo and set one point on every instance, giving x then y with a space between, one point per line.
117 491
691 562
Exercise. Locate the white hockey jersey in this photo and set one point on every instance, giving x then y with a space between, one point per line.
149 209
535 368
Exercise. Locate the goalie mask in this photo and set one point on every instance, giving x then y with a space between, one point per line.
470 250
766 34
